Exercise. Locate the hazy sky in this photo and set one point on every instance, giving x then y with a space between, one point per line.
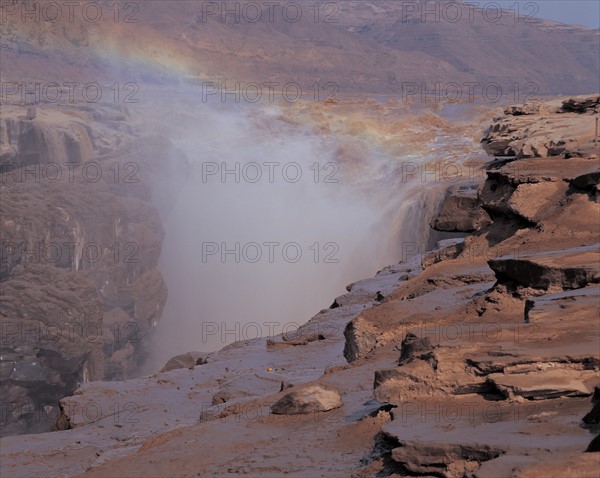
583 12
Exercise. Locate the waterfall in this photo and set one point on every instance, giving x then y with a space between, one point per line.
278 214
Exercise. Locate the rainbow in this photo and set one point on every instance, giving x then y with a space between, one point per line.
145 51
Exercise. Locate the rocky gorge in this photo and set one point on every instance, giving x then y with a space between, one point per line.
478 358
81 238
159 158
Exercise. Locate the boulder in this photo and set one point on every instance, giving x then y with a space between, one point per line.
399 385
534 202
310 399
361 338
187 360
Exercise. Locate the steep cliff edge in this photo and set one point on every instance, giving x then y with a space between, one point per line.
81 239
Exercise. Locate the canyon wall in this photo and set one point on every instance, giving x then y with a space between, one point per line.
81 239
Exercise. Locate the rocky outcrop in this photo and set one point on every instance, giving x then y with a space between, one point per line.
579 304
66 135
587 182
581 105
563 128
591 421
534 332
400 385
447 249
532 108
461 212
594 445
533 190
565 269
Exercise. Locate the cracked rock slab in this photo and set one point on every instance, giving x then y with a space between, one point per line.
442 460
566 269
545 384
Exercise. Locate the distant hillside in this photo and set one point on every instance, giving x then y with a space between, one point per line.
373 47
